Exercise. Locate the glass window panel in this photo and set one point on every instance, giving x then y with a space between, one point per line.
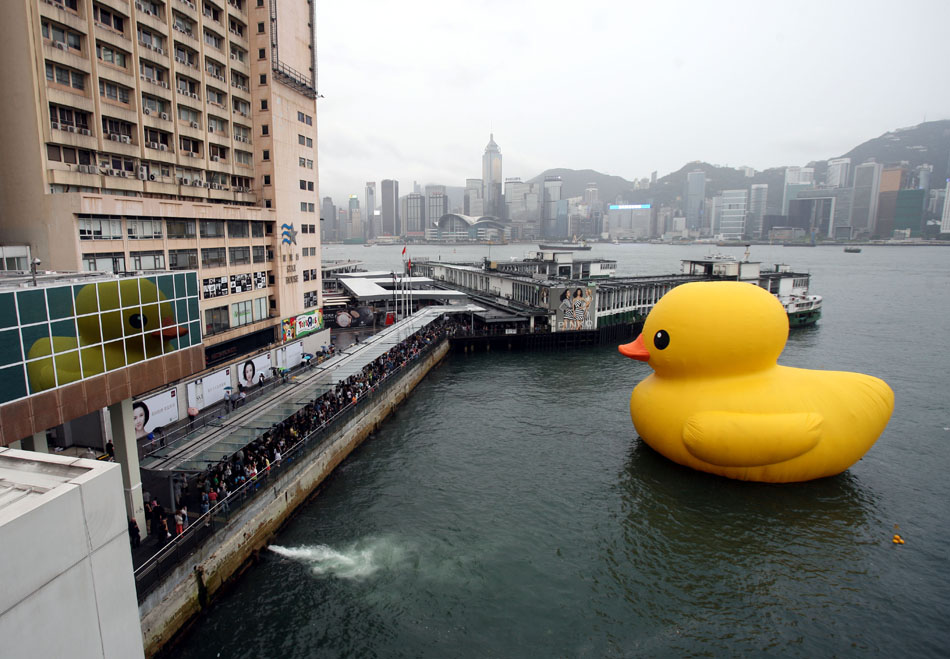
32 306
109 295
67 368
166 285
193 313
41 364
12 383
194 332
60 302
180 286
91 361
191 280
32 334
130 316
89 330
64 329
10 347
115 355
111 325
153 348
149 288
181 310
7 310
129 288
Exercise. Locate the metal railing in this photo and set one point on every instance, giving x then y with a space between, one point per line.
169 557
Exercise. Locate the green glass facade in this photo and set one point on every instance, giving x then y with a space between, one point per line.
57 334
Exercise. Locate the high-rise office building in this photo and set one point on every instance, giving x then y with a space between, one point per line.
758 202
370 205
591 194
491 180
474 202
551 195
864 198
389 197
796 178
945 217
157 135
437 205
329 224
839 173
695 196
353 206
414 215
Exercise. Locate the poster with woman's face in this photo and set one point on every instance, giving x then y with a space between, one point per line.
251 370
151 413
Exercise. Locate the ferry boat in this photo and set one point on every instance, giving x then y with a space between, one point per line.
791 288
574 245
852 250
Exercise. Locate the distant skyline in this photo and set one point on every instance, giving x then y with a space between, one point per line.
412 91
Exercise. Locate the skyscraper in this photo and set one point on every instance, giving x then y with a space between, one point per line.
370 205
758 200
390 206
414 215
864 199
437 205
331 229
695 195
491 180
839 172
945 217
474 202
147 137
551 193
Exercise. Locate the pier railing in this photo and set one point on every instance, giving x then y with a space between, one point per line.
169 557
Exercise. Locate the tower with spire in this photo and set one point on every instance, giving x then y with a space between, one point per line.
491 179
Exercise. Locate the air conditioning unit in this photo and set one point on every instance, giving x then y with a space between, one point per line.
216 158
125 139
193 95
207 184
164 84
153 145
164 116
179 59
143 173
70 129
162 147
114 137
210 129
233 56
197 183
194 124
54 125
84 169
151 177
105 169
141 76
215 186
185 181
146 111
85 131
160 51
60 44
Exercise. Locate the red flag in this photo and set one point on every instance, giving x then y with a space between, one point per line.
410 265
403 250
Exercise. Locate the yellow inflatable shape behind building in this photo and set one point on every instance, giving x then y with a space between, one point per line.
718 402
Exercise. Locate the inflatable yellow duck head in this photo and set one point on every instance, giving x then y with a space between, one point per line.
718 402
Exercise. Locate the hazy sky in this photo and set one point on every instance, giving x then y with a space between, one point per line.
625 87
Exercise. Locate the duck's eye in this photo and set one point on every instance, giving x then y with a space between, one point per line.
661 339
137 320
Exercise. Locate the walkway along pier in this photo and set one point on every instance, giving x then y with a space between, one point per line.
182 579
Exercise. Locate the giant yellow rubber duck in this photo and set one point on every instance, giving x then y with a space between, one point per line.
107 336
718 402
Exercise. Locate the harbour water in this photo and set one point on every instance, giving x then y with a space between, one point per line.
508 509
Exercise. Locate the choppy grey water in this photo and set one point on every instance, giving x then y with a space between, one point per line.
509 510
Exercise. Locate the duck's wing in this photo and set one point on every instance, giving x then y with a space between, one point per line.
736 439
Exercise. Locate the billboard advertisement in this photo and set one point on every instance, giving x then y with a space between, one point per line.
309 322
574 307
252 371
209 389
154 412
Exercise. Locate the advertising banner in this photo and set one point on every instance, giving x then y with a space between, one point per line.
209 389
574 308
157 411
309 322
250 371
288 329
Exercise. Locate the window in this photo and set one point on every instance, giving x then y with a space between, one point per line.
151 40
310 299
182 259
106 262
217 125
260 28
267 203
152 72
310 208
303 140
100 228
154 104
259 253
238 229
309 164
217 152
110 55
155 138
241 107
189 145
265 155
309 120
305 207
188 115
143 228
57 34
212 229
265 129
216 96
243 158
216 320
238 54
266 179
183 24
213 257
148 260
113 92
260 308
214 68
66 4
264 82
240 255
66 77
117 127
261 53
263 104
241 133
108 18
184 55
236 27
241 313
181 229
238 80
213 40
211 12
62 116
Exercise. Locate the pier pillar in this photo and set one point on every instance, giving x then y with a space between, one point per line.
127 455
36 443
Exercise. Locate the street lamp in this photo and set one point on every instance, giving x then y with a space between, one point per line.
33 265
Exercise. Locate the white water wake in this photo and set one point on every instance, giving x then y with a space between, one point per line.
359 560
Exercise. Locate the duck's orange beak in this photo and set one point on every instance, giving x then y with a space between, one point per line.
169 329
636 350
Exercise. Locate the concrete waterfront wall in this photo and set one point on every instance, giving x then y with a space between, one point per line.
189 589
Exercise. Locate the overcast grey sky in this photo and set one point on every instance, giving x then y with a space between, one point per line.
412 89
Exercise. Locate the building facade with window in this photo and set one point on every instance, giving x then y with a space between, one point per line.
176 135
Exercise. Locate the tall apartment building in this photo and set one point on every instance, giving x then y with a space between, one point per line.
168 134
